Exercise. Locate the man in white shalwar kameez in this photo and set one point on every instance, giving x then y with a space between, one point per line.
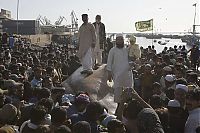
87 41
119 70
134 49
101 39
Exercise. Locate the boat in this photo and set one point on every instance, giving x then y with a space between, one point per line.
162 43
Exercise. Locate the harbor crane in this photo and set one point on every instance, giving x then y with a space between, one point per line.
60 20
74 20
39 18
43 20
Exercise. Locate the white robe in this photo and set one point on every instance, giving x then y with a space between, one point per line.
97 53
87 37
134 51
119 66
86 61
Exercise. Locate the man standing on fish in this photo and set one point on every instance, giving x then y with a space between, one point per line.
87 41
119 70
101 39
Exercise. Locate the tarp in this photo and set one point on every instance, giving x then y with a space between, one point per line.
95 85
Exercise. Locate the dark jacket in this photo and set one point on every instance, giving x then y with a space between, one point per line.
102 33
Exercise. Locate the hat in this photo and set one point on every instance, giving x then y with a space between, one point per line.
83 98
169 78
173 103
167 68
8 112
147 65
19 64
65 99
182 87
189 71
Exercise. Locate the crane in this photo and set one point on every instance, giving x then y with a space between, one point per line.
39 18
47 21
60 19
43 20
74 20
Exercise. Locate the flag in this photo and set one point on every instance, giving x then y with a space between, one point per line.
194 4
144 25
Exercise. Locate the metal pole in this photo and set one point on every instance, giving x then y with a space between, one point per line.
194 18
17 16
152 33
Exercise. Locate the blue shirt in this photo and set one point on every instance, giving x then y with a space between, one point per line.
36 83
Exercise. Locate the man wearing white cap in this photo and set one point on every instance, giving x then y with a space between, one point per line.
180 94
119 69
87 41
169 82
181 114
166 70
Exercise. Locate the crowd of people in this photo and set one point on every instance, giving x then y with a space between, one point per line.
155 92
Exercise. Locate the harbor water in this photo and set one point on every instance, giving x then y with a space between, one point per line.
142 41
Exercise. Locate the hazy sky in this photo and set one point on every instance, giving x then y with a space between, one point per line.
117 15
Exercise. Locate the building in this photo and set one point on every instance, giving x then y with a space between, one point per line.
25 27
4 15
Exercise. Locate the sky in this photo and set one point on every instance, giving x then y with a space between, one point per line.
117 15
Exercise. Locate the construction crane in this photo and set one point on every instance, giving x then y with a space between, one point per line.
47 21
39 18
43 20
74 20
60 20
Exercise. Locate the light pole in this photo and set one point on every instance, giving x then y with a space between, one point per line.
195 13
17 16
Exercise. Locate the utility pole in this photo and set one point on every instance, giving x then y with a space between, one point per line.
17 16
195 13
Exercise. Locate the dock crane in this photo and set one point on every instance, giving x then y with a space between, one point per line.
74 20
60 20
39 18
43 20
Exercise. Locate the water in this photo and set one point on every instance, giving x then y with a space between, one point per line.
142 41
